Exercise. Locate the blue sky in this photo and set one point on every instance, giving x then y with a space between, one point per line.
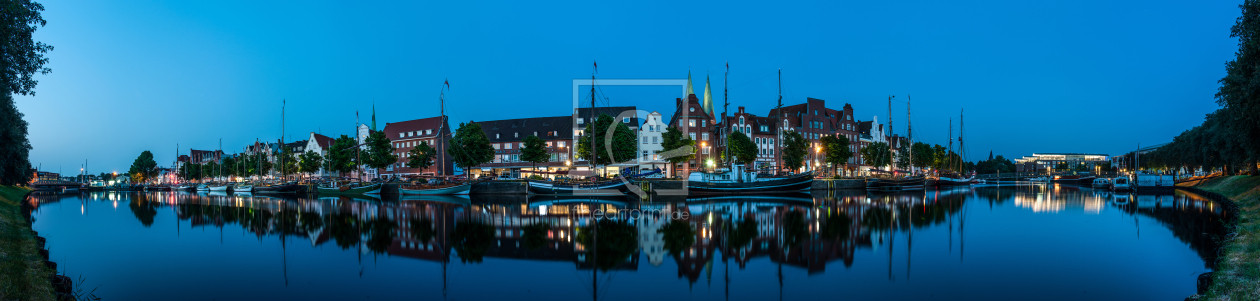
1033 76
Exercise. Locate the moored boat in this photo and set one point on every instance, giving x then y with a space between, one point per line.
223 187
243 188
202 187
903 183
612 187
351 189
739 181
448 189
290 187
1101 183
1121 184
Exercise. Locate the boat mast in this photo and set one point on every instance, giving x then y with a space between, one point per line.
949 156
283 103
726 105
591 122
962 150
441 125
889 136
909 135
778 111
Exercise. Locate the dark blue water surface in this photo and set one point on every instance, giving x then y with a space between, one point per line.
1032 242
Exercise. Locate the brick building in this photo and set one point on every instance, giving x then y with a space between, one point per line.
406 135
507 138
691 119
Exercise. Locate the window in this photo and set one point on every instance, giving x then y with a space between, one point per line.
401 135
496 136
625 119
705 151
741 120
693 136
785 123
495 145
561 143
693 109
581 120
428 132
548 143
705 137
702 122
507 146
535 133
691 122
516 135
644 139
765 128
656 139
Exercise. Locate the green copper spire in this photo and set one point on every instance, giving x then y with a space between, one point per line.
373 116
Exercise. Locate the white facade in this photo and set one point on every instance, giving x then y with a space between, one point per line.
361 138
312 145
650 138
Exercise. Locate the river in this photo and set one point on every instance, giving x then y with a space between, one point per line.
1027 242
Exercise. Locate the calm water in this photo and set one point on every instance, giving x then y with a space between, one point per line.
979 243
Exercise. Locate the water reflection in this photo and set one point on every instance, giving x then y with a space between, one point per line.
805 231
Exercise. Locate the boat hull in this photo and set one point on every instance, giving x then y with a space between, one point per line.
915 183
947 181
286 188
219 188
605 188
789 184
370 189
457 189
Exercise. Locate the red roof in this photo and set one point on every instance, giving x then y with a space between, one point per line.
323 141
422 128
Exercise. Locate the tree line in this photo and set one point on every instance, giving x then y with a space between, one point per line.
1228 140
23 57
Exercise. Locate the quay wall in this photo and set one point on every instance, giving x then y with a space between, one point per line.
499 187
832 184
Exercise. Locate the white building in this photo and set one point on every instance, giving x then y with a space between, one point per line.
650 138
319 144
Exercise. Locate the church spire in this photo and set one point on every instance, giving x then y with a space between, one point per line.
688 93
373 116
708 97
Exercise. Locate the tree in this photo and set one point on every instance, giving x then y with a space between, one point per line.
143 168
876 154
341 155
939 157
470 147
421 156
1239 92
795 147
837 150
623 145
380 151
903 158
288 161
14 146
923 155
232 166
311 162
676 147
741 148
535 151
22 57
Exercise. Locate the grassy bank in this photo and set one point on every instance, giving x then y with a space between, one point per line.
23 275
1237 275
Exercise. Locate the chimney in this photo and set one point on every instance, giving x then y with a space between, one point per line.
741 110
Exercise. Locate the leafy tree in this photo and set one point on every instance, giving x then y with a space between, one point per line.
876 154
380 151
741 148
676 147
939 157
22 57
143 168
923 155
311 162
232 166
470 147
535 151
836 150
903 158
1239 92
624 143
795 147
421 156
288 161
341 155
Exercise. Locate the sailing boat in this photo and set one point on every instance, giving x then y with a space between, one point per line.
892 181
351 188
225 186
611 187
955 178
443 188
738 180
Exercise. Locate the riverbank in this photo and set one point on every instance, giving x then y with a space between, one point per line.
1237 272
23 274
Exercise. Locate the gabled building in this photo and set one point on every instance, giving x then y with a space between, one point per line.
691 119
650 138
763 131
203 157
627 115
407 135
319 144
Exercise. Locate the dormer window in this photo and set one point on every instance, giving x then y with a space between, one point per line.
580 120
516 135
496 136
535 133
